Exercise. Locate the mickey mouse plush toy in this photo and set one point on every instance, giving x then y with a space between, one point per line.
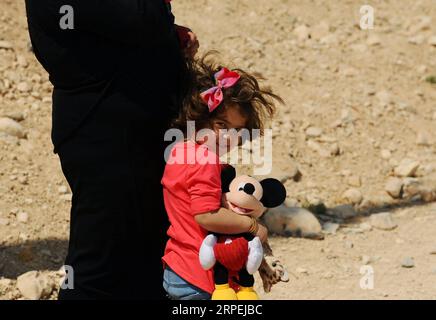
239 255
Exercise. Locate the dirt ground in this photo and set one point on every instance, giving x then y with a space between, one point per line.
360 108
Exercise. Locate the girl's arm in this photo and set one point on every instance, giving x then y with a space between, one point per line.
228 222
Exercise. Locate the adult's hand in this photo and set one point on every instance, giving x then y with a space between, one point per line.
188 41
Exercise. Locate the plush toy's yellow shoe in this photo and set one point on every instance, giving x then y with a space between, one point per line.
224 292
247 293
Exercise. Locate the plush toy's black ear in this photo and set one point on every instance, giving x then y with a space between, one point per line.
274 193
228 173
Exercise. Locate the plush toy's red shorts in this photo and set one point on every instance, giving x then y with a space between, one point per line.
231 252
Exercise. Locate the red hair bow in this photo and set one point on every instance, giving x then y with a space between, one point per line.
214 96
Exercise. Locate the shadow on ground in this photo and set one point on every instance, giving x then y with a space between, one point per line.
47 254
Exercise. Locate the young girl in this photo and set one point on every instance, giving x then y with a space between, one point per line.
219 99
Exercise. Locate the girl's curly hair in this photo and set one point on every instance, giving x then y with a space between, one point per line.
254 102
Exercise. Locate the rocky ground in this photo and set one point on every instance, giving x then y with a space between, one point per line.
355 143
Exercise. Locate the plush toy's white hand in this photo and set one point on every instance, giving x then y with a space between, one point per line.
207 255
255 255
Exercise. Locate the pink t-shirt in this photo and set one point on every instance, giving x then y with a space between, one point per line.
189 189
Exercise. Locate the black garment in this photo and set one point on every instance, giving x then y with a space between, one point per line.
113 165
117 80
134 39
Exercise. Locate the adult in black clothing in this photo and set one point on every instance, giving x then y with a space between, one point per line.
117 77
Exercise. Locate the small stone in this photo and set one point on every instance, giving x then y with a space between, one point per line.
348 71
302 32
426 170
34 286
394 187
63 190
22 217
404 106
384 97
318 148
385 154
433 250
334 150
354 196
23 237
302 270
291 202
346 116
329 39
434 115
66 197
345 172
432 41
22 62
422 69
23 180
411 187
383 221
313 200
290 171
320 30
419 92
423 138
421 24
61 272
330 228
4 283
373 40
348 244
418 39
365 226
15 115
24 87
313 132
393 162
5 45
327 275
365 259
406 168
354 181
399 241
4 222
408 262
11 127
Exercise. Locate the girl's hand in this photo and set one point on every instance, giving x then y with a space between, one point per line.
262 233
224 201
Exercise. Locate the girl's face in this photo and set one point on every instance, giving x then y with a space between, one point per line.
230 118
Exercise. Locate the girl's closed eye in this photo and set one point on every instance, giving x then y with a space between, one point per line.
221 125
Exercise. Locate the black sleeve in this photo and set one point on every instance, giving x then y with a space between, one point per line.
133 22
129 22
